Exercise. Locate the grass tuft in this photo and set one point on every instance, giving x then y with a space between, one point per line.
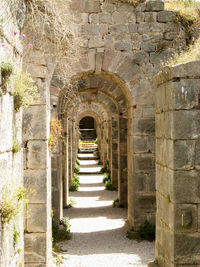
188 9
192 53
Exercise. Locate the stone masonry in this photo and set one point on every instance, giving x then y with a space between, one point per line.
177 165
123 49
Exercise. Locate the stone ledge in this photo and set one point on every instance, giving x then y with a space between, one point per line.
185 70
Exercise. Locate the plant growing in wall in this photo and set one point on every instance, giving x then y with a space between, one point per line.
25 92
77 168
6 71
16 145
56 133
62 231
12 203
75 183
15 236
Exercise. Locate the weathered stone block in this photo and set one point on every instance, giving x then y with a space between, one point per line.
94 18
96 41
170 35
92 29
140 57
141 7
119 18
144 126
108 7
197 154
186 186
91 6
157 57
140 17
185 218
144 162
36 222
150 16
186 248
166 16
186 124
172 27
131 17
37 155
119 28
133 28
123 46
154 6
140 144
152 36
184 156
105 18
35 247
146 202
36 182
148 47
35 123
147 27
183 94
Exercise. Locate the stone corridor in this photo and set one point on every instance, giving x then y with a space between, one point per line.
99 235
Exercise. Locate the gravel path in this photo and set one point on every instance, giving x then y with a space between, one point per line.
99 235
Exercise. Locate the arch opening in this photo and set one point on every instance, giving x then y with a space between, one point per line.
87 128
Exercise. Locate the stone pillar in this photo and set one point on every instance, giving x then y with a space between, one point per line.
114 153
177 166
37 168
66 166
123 181
70 140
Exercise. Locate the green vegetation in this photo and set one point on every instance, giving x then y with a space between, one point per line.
100 162
12 203
192 53
189 10
108 185
24 90
15 236
50 140
62 231
77 161
169 199
75 183
6 71
19 250
188 13
105 169
77 168
16 145
146 232
115 202
71 204
106 177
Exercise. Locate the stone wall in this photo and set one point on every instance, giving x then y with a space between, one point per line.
127 45
37 164
177 165
11 164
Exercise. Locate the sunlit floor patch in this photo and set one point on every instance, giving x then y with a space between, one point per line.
99 235
90 179
89 225
90 168
88 162
91 188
